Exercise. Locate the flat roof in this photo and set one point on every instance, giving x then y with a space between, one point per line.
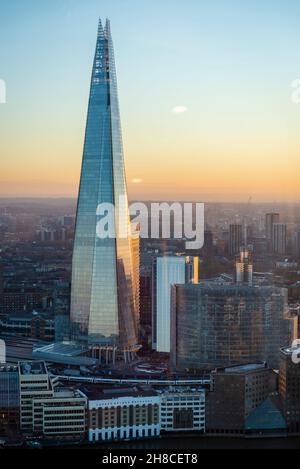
97 393
245 368
33 368
63 353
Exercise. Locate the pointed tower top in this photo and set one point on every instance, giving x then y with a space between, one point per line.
107 28
100 29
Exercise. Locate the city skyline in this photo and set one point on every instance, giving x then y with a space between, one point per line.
222 103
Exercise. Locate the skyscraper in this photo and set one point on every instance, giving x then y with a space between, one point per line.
244 267
279 238
168 271
271 218
103 300
235 239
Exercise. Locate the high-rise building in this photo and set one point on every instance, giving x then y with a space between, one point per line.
271 218
9 400
244 267
223 325
103 301
167 271
289 386
279 238
235 239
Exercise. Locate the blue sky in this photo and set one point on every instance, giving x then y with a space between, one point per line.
229 62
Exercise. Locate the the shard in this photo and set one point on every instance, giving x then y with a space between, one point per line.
103 299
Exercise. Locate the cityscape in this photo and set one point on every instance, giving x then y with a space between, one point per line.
153 321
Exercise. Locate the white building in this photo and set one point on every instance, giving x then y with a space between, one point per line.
117 414
182 409
168 271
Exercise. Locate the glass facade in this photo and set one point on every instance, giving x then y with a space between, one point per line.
222 325
103 303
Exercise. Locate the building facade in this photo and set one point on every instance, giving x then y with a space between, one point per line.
9 401
182 409
236 393
118 414
167 271
103 301
222 325
289 386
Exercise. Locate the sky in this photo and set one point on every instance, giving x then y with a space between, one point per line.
204 89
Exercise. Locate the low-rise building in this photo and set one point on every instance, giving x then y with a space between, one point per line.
182 409
236 393
120 413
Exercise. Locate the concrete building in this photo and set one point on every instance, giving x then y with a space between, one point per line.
47 409
35 383
182 409
120 413
61 416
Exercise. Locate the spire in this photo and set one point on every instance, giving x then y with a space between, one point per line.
100 29
107 28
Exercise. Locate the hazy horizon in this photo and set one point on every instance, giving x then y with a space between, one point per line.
205 95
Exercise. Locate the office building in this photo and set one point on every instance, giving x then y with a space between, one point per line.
167 271
9 401
271 219
47 409
182 409
222 325
103 300
236 393
235 239
289 386
244 267
121 413
279 238
61 416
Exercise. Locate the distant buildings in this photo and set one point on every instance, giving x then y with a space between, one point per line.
279 238
271 219
235 239
244 267
221 325
167 271
289 386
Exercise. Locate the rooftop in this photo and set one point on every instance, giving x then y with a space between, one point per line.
247 368
99 393
33 368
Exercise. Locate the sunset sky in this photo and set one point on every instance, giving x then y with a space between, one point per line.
204 88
